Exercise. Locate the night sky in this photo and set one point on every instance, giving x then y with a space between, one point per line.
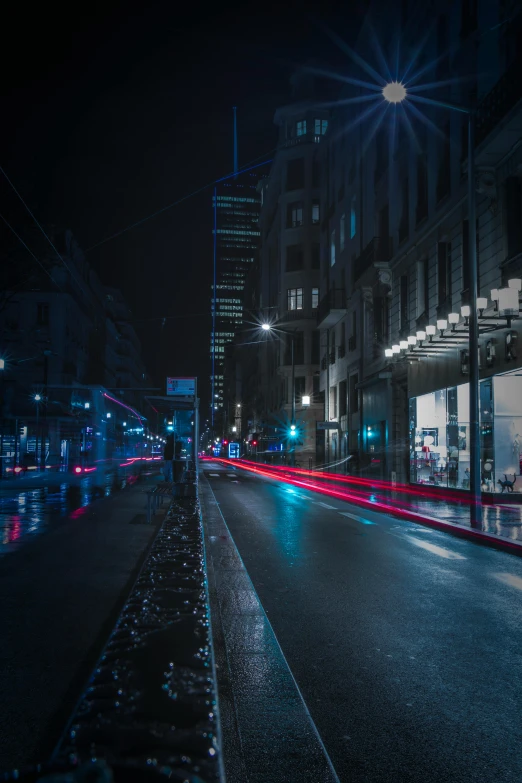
114 113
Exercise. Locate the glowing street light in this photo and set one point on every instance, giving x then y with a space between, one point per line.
394 92
266 327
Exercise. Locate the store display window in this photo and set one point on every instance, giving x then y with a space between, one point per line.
440 436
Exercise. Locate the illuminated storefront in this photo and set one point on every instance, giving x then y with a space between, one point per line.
439 435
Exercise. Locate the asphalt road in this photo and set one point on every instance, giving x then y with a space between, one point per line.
406 642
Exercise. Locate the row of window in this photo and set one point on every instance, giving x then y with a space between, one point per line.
320 127
295 257
295 214
342 231
295 298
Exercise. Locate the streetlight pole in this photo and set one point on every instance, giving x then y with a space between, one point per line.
37 399
292 423
474 375
395 92
266 327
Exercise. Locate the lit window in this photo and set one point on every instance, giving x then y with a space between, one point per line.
295 214
320 127
332 248
342 234
315 298
353 218
316 214
295 298
301 128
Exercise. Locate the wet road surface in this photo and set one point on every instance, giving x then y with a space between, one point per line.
31 511
405 642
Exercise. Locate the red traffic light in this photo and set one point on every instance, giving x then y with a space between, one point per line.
225 442
254 443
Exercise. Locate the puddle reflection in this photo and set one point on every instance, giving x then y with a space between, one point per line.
31 512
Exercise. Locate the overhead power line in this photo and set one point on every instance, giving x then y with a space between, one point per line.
183 198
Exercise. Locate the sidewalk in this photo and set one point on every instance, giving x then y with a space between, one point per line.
61 594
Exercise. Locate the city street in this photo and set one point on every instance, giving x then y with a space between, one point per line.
404 641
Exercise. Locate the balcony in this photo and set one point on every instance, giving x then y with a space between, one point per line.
295 315
377 251
331 308
305 138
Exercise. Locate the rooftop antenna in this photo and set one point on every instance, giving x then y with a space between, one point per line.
235 143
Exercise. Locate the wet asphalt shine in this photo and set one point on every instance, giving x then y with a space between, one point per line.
405 642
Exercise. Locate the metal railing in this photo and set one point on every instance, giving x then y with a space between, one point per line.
378 250
334 300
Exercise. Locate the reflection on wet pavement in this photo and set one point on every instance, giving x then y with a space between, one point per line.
34 511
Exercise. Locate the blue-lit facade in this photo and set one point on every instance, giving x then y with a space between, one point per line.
236 206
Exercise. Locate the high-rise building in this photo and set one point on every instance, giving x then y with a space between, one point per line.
236 205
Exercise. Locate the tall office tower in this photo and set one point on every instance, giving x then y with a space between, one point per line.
237 205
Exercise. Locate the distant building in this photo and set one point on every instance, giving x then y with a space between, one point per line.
236 205
67 338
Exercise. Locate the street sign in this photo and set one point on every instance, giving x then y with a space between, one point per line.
327 425
233 450
181 387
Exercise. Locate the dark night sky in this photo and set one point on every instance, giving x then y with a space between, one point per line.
121 110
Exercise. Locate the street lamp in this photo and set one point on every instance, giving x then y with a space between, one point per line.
395 92
37 398
268 328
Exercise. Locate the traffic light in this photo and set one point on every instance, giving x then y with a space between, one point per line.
225 442
293 431
254 443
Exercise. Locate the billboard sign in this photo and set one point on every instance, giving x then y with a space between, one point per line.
181 387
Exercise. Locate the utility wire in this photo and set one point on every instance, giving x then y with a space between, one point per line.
9 226
43 232
183 198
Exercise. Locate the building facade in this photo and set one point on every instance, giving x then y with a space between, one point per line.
395 255
67 341
236 206
285 361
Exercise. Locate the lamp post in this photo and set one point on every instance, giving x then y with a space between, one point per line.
395 92
266 327
37 398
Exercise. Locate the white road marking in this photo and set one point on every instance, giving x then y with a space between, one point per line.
436 550
510 579
214 474
357 519
324 505
231 475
